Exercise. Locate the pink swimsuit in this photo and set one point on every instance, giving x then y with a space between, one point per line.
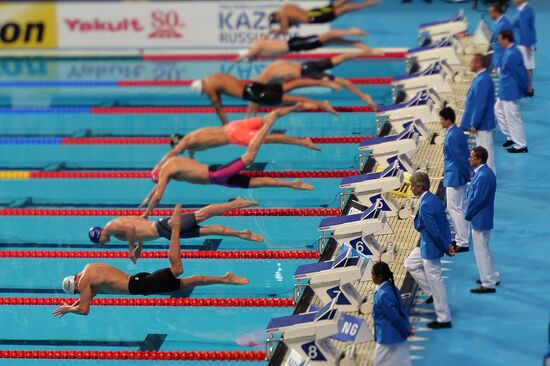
241 132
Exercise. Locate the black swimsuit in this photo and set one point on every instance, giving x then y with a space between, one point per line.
316 69
321 15
264 94
160 282
188 227
297 44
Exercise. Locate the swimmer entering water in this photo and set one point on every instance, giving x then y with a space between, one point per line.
137 229
237 133
267 47
98 278
216 85
282 71
292 15
228 175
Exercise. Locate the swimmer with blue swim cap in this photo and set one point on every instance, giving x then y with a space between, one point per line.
136 229
98 278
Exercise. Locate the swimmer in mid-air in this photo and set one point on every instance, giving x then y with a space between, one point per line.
137 229
291 14
268 47
228 175
216 85
98 278
282 71
235 132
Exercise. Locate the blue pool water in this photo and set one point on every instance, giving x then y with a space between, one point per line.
188 328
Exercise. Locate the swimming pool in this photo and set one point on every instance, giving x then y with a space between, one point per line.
38 251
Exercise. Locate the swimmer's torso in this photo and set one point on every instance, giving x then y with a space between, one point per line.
185 169
223 83
106 279
206 138
145 230
279 72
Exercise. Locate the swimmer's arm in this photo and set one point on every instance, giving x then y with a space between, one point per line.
284 22
216 101
148 198
251 109
81 306
178 149
156 196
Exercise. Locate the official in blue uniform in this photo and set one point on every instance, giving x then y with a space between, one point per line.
513 85
391 320
456 174
496 12
526 34
424 262
479 113
480 212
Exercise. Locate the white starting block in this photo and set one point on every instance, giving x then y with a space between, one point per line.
370 187
437 76
404 123
344 228
444 28
444 50
332 280
483 34
421 106
308 334
401 147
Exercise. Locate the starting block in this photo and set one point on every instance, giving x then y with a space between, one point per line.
421 106
371 187
445 49
332 280
400 148
438 76
483 34
402 124
444 28
308 334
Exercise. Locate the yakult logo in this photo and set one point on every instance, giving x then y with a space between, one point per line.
166 24
100 25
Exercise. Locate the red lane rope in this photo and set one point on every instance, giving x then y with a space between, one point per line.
136 355
163 212
163 301
206 109
166 140
157 254
147 175
138 83
292 56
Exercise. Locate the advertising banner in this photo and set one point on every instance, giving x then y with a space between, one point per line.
168 25
28 25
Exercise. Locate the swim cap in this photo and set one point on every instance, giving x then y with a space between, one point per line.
272 18
175 139
155 175
68 285
196 86
94 234
242 53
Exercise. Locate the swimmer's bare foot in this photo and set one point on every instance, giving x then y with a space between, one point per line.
234 279
325 106
357 32
175 220
310 144
244 203
300 184
249 235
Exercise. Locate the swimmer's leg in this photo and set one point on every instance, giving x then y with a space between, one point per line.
252 150
337 34
279 138
174 252
257 182
338 59
355 90
227 231
218 209
202 280
304 83
340 10
309 103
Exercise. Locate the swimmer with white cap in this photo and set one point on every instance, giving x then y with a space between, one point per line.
98 278
137 229
216 85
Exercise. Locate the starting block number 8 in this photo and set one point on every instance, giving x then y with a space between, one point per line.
312 351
